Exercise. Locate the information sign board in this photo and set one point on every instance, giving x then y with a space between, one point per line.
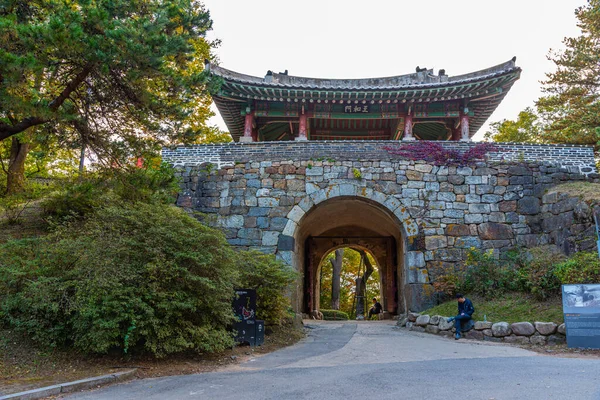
581 308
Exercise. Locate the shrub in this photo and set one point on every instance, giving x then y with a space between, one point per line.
486 275
583 267
334 315
148 278
271 279
535 271
83 195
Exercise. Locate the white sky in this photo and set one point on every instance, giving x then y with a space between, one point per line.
376 38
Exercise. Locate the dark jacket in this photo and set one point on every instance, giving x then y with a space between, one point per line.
377 307
466 307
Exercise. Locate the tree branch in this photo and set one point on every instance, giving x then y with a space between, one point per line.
7 130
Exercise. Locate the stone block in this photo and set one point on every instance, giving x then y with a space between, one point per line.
484 189
232 221
474 218
473 180
270 238
424 168
412 316
545 328
523 328
432 329
314 171
250 233
472 198
435 242
562 329
556 339
446 196
417 275
495 231
258 211
434 320
285 243
498 217
538 340
452 213
528 205
414 175
415 259
482 325
457 230
268 202
422 320
464 171
456 179
466 242
473 334
487 332
296 214
516 339
290 228
479 208
444 325
491 198
501 329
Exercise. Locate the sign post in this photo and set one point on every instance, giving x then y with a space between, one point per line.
581 308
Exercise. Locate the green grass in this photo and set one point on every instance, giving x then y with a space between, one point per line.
587 191
512 307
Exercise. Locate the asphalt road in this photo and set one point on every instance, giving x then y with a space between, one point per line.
375 360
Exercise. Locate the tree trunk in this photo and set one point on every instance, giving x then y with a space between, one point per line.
336 275
15 182
361 287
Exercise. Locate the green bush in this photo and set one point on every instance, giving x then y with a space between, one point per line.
581 268
145 278
83 195
334 315
271 279
535 271
486 275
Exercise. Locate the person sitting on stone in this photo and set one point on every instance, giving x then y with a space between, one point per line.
376 309
465 311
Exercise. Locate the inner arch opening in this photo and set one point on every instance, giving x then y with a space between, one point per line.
355 222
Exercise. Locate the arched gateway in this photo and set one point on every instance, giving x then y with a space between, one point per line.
348 215
309 171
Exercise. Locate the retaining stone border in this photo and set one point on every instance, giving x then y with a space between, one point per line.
71 387
538 333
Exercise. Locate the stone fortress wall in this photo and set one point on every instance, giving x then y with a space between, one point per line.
259 192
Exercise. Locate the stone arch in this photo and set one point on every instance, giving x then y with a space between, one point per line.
390 202
292 247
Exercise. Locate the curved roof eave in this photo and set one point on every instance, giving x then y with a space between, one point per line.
417 80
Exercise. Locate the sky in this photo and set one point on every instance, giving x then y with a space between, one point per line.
377 38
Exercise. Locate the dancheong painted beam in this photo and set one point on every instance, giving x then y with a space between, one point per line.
417 106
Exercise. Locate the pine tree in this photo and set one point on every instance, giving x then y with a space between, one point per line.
121 76
571 107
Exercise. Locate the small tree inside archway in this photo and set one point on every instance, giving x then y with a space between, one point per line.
351 261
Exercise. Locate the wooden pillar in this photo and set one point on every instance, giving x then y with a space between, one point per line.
408 128
464 128
455 132
248 128
302 135
390 288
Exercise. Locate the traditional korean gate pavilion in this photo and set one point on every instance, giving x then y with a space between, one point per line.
417 106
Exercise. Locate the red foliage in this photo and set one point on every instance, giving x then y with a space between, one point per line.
437 154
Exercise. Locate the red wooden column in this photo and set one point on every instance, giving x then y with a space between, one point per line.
464 128
248 128
303 126
408 128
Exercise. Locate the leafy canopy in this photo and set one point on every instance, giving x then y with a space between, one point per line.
127 75
571 107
